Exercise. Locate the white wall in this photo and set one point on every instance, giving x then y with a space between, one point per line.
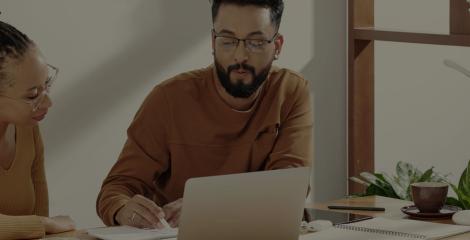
422 111
327 73
112 52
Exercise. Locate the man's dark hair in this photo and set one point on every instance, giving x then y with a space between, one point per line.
276 8
13 44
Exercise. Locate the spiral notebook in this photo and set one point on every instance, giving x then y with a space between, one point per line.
388 229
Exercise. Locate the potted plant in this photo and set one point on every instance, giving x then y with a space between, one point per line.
398 186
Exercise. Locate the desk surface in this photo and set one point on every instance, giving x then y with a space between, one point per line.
392 209
391 205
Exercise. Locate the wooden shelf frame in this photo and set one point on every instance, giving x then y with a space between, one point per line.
361 37
371 33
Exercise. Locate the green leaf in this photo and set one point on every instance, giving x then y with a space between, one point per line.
397 188
454 202
386 188
436 177
464 183
374 190
427 176
374 179
404 171
371 178
377 185
382 179
381 191
358 180
465 201
456 190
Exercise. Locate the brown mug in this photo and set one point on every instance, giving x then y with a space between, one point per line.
429 197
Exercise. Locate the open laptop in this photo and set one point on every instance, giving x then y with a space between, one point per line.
248 206
245 206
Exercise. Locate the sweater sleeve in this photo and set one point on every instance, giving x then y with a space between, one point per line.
144 158
38 175
20 227
294 144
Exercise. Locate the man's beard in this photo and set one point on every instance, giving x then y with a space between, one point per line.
240 89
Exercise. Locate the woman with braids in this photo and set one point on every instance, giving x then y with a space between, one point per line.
25 79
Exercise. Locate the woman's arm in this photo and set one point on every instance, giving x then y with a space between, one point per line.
21 227
39 178
56 224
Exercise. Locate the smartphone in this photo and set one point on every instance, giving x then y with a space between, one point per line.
335 217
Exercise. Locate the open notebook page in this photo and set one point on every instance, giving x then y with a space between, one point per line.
126 232
387 229
428 229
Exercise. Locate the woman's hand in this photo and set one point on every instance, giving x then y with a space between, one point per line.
58 224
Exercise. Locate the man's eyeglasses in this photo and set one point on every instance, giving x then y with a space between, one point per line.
37 100
229 44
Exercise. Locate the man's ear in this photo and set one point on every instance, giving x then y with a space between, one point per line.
278 45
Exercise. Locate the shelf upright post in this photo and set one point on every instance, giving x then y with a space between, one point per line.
460 17
360 93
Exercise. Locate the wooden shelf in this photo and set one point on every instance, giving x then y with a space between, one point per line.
361 68
371 33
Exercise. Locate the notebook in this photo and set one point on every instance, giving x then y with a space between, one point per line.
127 232
388 229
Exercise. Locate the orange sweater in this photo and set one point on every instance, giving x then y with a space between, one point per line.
184 130
24 189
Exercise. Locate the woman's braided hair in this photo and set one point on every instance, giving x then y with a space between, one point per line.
13 45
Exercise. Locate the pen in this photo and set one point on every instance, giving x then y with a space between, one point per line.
164 222
357 208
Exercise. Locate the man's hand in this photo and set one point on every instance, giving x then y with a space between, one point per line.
140 212
173 212
58 224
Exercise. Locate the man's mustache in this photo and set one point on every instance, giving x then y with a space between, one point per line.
241 65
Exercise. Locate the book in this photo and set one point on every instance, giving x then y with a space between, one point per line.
388 229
